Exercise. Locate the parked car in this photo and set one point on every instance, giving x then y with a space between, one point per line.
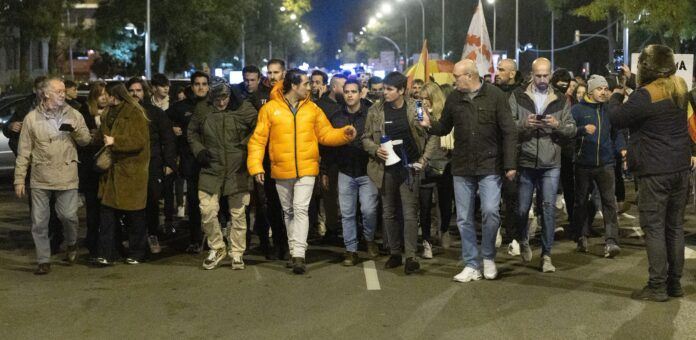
8 106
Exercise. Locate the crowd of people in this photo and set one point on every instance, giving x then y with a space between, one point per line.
358 159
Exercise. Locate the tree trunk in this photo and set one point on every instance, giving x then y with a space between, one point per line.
24 50
163 57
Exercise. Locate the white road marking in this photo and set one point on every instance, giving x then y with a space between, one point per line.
689 253
258 275
371 279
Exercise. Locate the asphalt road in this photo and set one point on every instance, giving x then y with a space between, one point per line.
172 297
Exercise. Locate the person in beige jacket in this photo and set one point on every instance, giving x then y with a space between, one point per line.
47 143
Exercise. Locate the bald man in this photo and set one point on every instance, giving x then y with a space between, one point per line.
485 148
543 121
507 77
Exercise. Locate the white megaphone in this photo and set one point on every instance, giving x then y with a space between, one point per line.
392 158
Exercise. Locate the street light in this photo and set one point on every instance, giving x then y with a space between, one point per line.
304 35
372 22
386 8
146 35
293 16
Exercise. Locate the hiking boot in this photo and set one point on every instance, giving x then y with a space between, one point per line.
350 258
611 250
372 249
237 262
674 289
214 258
298 265
467 275
71 254
650 294
412 266
43 269
427 250
153 242
547 265
393 262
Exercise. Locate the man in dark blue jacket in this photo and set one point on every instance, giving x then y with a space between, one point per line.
659 155
353 183
597 141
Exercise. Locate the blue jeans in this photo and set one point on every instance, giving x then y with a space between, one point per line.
465 197
547 182
349 191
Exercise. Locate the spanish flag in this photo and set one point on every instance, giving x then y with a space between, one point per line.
421 69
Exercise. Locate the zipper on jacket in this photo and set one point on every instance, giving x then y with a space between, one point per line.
294 126
599 135
536 159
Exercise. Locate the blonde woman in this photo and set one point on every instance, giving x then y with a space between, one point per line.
437 175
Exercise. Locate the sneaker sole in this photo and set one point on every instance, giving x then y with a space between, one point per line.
238 267
213 265
467 279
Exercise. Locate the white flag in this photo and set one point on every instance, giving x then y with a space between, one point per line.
478 44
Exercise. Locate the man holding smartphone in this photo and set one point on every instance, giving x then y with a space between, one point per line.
543 124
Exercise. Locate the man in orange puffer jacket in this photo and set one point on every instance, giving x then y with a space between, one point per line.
293 126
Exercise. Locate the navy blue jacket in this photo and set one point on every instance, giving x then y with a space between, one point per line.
599 148
351 158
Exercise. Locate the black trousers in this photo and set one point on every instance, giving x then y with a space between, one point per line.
568 183
269 214
193 209
445 197
661 204
603 176
137 233
154 188
92 208
173 193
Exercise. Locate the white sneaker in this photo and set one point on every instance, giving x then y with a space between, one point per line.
546 265
214 257
490 272
427 250
598 215
467 275
560 202
627 216
446 240
153 242
237 263
498 239
514 248
180 211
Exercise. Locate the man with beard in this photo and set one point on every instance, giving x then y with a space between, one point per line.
319 81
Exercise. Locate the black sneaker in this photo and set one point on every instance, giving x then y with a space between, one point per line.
298 265
412 266
130 260
102 262
393 262
43 269
650 294
350 258
674 289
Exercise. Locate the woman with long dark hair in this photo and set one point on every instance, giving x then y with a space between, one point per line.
95 108
123 187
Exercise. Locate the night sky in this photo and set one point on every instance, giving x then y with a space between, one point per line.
327 20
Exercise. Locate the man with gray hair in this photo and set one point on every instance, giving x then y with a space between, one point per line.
594 163
47 142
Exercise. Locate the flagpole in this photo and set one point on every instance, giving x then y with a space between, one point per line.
517 32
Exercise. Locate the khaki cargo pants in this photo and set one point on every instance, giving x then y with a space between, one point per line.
210 207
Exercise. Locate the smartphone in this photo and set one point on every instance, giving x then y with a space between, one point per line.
540 117
618 60
66 127
419 110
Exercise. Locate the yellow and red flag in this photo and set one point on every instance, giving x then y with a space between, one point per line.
691 119
421 70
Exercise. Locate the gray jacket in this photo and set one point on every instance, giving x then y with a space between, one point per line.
540 148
